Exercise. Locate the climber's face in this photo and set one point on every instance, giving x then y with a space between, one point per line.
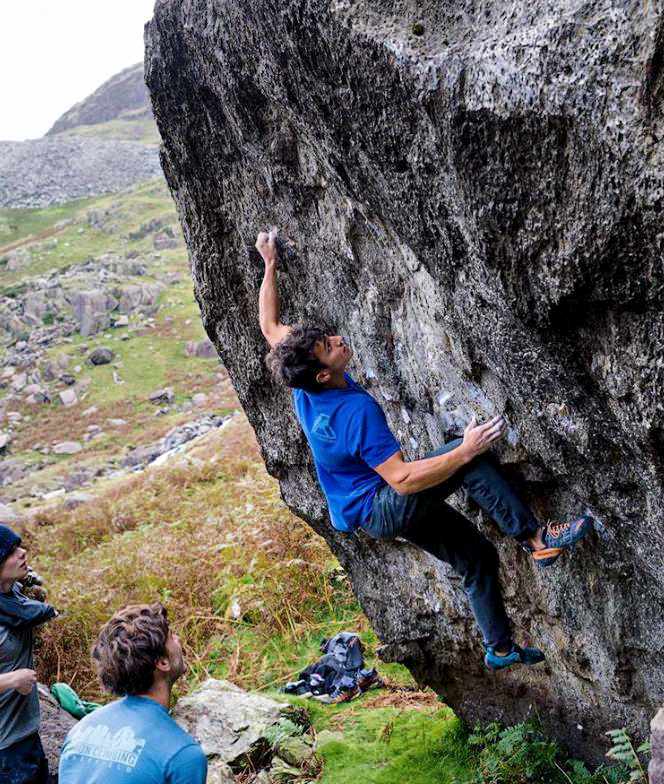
334 352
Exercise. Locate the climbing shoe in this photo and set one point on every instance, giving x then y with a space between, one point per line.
516 656
558 537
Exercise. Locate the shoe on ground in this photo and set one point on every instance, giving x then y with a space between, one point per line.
369 679
339 696
517 655
558 537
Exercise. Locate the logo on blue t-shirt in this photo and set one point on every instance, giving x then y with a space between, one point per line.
100 743
321 428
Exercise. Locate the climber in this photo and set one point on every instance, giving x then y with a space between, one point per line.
22 759
369 485
134 739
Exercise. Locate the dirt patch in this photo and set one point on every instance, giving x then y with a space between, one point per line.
43 235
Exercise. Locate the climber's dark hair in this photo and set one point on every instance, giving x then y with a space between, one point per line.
292 361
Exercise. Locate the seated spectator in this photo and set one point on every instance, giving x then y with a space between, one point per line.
134 739
22 759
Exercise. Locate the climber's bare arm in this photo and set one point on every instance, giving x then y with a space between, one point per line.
268 297
412 477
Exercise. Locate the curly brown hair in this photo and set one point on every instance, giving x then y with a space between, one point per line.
128 646
292 361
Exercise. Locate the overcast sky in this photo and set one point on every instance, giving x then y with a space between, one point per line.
54 53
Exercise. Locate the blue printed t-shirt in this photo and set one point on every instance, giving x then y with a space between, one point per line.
348 436
132 741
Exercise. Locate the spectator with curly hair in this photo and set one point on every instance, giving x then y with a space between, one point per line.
134 739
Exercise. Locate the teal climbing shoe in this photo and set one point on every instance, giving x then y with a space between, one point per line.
517 655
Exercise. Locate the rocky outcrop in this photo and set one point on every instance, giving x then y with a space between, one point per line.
54 725
48 171
474 195
241 733
121 93
656 766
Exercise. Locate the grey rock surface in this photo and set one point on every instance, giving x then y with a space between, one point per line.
656 765
66 448
231 724
9 515
54 725
91 310
55 170
479 207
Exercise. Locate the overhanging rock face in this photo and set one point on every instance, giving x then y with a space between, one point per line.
474 194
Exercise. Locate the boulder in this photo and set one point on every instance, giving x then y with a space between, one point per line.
18 382
140 298
17 259
91 311
160 396
101 356
164 242
54 724
68 397
231 724
66 448
202 348
479 207
142 454
656 766
34 308
8 515
74 500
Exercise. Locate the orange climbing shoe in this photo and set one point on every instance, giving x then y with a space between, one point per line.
558 537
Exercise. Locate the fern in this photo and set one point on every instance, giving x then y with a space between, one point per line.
623 751
284 729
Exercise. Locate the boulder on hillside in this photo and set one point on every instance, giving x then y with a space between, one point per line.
101 356
5 440
9 515
166 395
34 307
494 246
68 397
17 259
202 348
91 311
66 448
140 298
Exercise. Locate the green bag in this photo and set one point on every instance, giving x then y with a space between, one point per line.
71 702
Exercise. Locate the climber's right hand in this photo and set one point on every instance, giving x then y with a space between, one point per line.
477 439
266 245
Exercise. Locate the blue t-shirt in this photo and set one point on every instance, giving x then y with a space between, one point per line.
348 436
131 741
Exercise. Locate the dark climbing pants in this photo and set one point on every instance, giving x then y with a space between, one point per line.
24 762
427 521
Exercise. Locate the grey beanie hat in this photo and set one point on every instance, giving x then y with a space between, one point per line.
8 541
